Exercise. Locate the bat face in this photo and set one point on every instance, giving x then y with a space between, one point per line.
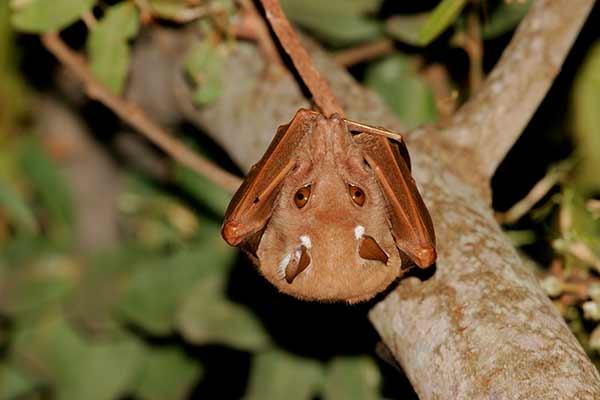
327 238
328 215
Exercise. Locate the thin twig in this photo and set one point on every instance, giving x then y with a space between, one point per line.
474 48
318 87
364 52
593 207
470 41
537 192
145 10
89 19
19 4
136 117
446 98
580 250
183 15
186 15
252 26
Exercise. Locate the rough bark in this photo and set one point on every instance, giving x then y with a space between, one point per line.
481 327
518 82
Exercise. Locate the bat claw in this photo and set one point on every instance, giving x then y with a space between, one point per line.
231 232
425 256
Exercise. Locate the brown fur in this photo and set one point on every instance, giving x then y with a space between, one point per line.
329 160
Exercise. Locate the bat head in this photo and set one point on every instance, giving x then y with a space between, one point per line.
328 237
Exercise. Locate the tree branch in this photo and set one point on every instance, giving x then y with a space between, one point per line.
137 117
481 327
252 26
494 117
364 52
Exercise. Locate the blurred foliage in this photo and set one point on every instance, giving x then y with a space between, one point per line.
439 20
204 64
280 375
504 18
586 99
396 79
107 44
336 22
38 16
146 317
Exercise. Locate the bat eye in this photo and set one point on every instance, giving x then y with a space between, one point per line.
301 197
358 196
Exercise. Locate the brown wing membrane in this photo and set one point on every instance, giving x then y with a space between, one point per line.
412 227
358 127
251 206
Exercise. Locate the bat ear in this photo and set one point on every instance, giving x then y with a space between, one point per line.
410 221
252 205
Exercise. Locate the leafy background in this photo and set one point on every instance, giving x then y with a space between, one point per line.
160 307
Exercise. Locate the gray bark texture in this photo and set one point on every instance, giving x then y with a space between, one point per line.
480 327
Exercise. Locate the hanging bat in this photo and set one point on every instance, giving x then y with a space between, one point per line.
331 211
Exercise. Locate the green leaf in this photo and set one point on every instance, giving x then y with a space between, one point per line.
351 378
123 18
204 64
580 239
29 288
92 304
337 22
25 249
16 209
107 45
158 221
184 10
280 375
586 103
403 90
206 317
295 8
53 192
406 28
575 218
342 30
441 18
522 237
155 291
209 91
214 197
39 16
504 18
169 9
167 374
74 366
13 383
13 90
